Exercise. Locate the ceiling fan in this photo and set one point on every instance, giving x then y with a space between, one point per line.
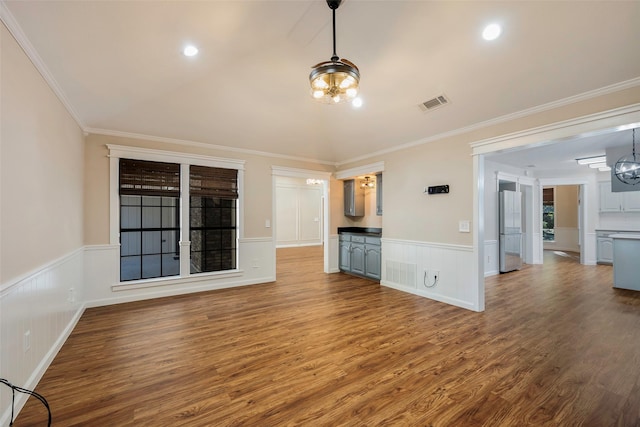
336 80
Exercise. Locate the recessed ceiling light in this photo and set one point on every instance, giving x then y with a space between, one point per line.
190 51
357 102
491 32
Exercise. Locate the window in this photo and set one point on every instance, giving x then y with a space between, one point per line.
212 218
548 215
149 219
159 201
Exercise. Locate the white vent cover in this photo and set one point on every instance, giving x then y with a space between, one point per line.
401 273
433 103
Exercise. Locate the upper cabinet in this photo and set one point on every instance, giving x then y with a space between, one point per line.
379 193
353 198
628 201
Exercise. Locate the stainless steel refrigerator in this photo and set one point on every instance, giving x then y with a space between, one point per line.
510 219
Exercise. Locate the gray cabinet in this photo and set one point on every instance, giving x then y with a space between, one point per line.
357 255
372 257
353 198
360 255
379 194
345 252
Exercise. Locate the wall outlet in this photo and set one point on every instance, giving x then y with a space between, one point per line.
435 276
464 226
267 223
26 343
71 296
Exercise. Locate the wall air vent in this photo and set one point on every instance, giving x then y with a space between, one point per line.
433 103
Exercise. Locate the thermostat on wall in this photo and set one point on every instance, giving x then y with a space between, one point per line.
437 189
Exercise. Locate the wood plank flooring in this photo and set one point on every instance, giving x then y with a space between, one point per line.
556 346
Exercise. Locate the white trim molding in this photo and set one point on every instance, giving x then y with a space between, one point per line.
361 170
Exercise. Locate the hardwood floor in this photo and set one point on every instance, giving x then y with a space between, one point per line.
557 346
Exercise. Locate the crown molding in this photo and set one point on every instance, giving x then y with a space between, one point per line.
196 144
16 31
627 84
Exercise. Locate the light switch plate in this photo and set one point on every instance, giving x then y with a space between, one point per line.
463 226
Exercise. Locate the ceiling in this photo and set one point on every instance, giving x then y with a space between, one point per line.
118 66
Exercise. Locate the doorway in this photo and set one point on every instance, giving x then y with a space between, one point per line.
595 124
322 180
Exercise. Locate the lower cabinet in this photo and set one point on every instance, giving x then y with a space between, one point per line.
372 261
344 262
360 255
604 250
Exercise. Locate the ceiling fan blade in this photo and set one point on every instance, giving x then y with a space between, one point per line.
349 63
322 63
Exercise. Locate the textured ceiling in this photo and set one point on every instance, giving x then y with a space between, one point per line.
119 66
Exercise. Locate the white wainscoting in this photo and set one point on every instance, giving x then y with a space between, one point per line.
256 257
491 255
47 304
566 239
589 249
334 254
404 264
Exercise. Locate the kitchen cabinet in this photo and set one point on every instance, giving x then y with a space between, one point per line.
353 198
628 201
345 252
372 257
626 268
357 255
604 249
360 255
379 194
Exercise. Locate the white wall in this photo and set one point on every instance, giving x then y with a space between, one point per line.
298 212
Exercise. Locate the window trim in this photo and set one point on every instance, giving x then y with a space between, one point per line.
554 192
116 152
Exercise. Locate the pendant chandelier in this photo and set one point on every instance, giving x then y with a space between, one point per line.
337 80
627 168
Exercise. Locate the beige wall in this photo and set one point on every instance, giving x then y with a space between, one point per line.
566 206
410 215
41 169
258 186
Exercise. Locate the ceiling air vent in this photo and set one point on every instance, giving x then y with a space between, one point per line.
433 103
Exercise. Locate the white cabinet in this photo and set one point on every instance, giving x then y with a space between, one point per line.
631 201
628 201
605 250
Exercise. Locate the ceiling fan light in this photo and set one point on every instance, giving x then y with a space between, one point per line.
352 93
319 83
317 94
347 82
336 99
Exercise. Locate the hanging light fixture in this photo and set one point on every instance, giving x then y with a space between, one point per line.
627 168
367 183
336 80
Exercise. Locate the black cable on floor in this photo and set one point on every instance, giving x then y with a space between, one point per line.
38 396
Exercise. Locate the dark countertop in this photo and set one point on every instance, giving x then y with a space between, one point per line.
367 231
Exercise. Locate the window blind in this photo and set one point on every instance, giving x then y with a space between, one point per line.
213 182
144 178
